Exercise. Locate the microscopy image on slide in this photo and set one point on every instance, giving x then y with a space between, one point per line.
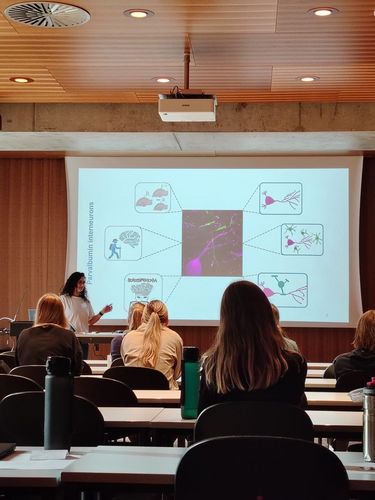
211 243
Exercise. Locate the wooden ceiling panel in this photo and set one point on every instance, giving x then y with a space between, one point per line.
243 51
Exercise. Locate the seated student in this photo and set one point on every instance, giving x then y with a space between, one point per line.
362 357
49 336
153 344
290 344
134 321
249 360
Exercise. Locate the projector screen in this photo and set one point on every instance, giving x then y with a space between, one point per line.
181 229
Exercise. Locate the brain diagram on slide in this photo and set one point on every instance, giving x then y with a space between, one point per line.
265 237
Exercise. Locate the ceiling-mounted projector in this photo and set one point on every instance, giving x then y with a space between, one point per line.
187 106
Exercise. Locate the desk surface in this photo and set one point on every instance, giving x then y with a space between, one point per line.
325 422
128 417
320 383
157 466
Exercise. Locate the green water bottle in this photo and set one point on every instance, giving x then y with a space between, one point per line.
190 382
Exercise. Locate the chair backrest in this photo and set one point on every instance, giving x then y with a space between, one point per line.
138 377
117 362
10 384
35 372
8 358
249 467
86 368
253 418
353 380
22 420
104 391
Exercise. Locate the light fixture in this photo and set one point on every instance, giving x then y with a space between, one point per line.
163 79
139 13
21 79
308 78
323 11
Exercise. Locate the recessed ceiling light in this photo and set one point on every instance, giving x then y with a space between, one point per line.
323 11
308 78
164 79
21 79
139 13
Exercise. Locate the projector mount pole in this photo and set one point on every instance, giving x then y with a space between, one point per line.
186 69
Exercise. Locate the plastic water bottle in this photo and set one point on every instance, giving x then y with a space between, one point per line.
369 421
58 404
190 382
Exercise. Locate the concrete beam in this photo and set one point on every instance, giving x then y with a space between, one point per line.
270 117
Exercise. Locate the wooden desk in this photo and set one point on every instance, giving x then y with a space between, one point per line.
331 400
128 417
165 398
320 384
96 337
314 373
317 366
326 423
155 467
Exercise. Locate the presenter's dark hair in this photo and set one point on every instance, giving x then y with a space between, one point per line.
71 283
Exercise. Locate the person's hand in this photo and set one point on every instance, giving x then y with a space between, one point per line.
106 309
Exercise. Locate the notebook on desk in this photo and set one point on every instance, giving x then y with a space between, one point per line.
6 449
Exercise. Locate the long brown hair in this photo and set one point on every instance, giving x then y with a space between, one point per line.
50 309
248 352
155 315
364 337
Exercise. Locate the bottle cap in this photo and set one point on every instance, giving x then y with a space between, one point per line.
58 365
190 353
371 383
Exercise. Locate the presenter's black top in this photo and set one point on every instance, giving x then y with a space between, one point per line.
289 388
35 344
358 359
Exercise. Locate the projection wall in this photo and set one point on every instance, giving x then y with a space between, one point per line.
182 229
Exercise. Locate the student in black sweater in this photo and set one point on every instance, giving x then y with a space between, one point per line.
249 360
49 336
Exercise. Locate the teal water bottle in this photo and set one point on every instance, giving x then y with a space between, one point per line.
190 382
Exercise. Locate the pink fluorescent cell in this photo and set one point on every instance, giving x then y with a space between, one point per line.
268 292
194 267
290 242
269 200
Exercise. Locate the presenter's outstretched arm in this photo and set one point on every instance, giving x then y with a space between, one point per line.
106 309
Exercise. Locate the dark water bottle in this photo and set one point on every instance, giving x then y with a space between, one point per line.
190 382
58 404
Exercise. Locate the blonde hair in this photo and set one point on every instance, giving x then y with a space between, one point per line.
155 315
50 309
364 337
248 352
135 315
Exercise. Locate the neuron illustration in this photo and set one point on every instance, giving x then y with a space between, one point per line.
212 243
284 287
292 199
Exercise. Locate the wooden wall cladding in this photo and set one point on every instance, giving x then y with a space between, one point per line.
33 232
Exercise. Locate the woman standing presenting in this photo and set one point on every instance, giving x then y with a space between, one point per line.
78 308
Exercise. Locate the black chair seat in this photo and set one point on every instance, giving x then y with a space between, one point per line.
138 377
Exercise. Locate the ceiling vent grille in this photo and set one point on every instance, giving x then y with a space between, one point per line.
47 14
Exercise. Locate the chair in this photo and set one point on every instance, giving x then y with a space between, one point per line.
104 391
249 467
253 418
22 420
9 384
352 380
86 368
138 377
35 372
117 362
8 358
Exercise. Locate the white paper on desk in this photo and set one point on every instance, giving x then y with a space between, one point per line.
356 395
49 454
21 460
